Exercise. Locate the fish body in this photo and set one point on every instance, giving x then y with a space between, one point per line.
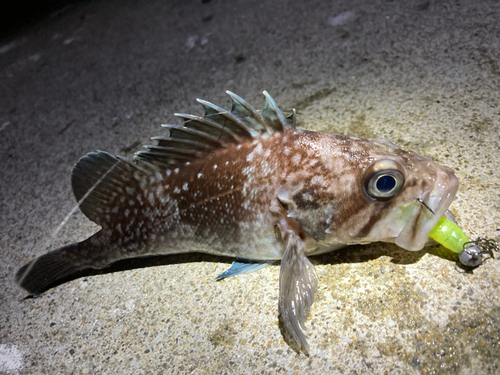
249 185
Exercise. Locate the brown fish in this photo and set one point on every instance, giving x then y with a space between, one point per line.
247 184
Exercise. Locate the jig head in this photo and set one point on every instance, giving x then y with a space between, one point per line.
473 251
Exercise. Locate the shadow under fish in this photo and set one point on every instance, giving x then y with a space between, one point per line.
247 184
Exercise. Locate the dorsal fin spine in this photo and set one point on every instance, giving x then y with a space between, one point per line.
194 132
218 128
229 116
243 103
271 107
207 122
173 150
184 142
293 118
254 114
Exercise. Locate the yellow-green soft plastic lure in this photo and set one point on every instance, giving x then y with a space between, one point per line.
449 234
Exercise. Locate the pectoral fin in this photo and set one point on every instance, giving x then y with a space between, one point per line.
298 282
243 266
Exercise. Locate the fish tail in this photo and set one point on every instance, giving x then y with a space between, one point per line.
50 269
97 179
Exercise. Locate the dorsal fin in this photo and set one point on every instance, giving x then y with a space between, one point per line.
218 128
99 177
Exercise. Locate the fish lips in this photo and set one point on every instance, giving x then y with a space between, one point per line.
415 233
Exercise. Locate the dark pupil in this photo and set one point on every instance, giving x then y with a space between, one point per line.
386 184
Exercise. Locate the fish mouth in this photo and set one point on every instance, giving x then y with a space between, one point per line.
415 233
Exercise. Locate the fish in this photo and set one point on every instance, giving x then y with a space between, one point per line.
250 185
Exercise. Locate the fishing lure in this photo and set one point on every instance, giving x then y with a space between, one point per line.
470 253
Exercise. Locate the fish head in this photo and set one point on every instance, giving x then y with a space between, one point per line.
399 196
436 186
369 190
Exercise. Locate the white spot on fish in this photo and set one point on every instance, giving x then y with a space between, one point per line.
159 176
159 190
131 202
177 190
311 152
317 180
176 170
215 166
296 159
185 186
122 199
115 209
200 175
307 197
169 172
130 190
127 212
257 151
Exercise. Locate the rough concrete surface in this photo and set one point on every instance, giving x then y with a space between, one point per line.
103 75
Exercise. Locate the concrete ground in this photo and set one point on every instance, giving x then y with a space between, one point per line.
105 74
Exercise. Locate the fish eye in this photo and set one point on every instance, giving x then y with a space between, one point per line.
383 179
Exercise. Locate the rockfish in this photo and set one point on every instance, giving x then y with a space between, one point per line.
248 184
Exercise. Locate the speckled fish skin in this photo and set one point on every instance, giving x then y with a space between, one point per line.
262 190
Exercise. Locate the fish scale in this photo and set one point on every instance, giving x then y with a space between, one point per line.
248 184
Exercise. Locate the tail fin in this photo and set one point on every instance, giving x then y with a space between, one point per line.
99 179
50 269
